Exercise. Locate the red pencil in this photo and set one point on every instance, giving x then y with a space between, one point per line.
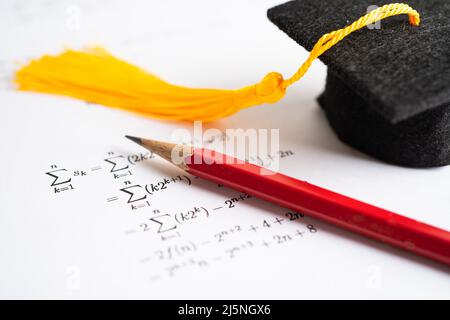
319 203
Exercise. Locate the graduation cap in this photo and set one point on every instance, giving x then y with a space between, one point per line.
387 91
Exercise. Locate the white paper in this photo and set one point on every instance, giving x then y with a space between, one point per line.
82 239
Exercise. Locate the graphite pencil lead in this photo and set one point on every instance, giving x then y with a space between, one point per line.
135 139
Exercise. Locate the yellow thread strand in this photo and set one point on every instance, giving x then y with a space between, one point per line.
330 39
96 76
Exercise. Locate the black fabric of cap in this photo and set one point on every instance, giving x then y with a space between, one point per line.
388 89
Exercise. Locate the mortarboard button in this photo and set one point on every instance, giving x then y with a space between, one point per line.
388 89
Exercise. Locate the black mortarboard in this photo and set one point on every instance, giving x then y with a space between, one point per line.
388 90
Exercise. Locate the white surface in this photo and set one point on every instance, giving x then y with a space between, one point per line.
74 244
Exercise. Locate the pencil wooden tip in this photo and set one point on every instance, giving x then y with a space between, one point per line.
164 150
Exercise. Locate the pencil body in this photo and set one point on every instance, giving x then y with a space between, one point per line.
337 209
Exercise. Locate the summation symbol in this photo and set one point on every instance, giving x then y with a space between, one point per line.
60 176
162 223
61 179
117 163
136 193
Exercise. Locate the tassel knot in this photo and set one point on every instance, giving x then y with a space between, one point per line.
270 89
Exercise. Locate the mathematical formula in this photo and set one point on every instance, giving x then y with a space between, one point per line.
175 251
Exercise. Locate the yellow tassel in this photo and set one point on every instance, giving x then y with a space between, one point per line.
96 76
